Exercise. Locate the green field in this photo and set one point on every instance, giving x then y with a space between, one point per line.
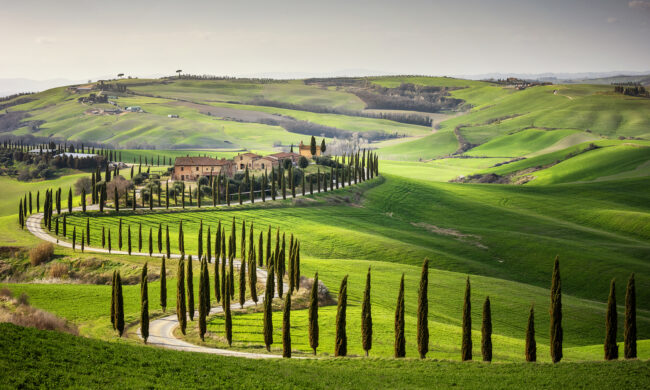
580 151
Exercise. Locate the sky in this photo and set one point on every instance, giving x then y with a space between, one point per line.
89 39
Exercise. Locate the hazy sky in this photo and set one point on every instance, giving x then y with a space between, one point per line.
83 39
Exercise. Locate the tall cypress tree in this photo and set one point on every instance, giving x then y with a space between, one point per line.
139 237
423 311
128 239
341 343
144 304
202 303
119 234
159 238
163 285
200 240
531 345
167 245
556 314
150 242
260 251
217 284
366 317
611 325
313 315
181 311
268 309
190 288
268 247
242 282
400 340
486 332
113 296
629 331
208 246
227 314
119 305
286 327
466 348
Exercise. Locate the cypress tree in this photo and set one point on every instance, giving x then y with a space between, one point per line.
217 242
242 282
611 325
268 309
87 231
268 246
180 237
65 229
167 246
159 238
202 303
74 237
466 350
400 341
296 269
116 197
119 305
119 234
139 237
313 315
217 284
113 296
260 251
366 317
283 179
200 240
163 285
109 241
208 246
629 332
83 199
556 314
69 200
223 263
150 242
486 332
144 304
341 345
190 288
227 314
531 345
286 327
423 311
180 295
128 239
252 275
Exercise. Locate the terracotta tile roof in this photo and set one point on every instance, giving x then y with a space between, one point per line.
201 161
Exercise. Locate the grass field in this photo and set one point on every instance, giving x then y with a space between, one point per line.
56 360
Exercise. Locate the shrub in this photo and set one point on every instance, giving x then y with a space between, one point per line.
41 253
23 299
303 162
82 183
58 270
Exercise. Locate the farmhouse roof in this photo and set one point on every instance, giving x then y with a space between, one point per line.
201 161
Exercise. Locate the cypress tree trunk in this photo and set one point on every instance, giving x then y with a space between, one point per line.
144 304
202 303
313 315
286 327
228 315
341 345
400 341
556 314
163 285
629 332
531 345
181 311
466 348
423 311
268 309
190 288
611 325
366 317
119 305
113 295
486 331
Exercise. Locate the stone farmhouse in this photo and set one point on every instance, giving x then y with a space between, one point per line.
191 168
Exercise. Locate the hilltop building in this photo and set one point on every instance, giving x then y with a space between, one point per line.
191 168
305 150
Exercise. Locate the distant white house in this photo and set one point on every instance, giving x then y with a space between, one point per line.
173 116
78 155
134 109
39 151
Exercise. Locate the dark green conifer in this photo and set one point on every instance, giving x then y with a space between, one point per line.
202 303
113 296
150 242
400 340
466 348
181 311
629 331
268 309
119 305
227 314
341 342
611 325
242 281
486 332
313 315
423 311
128 239
531 344
144 305
556 314
167 245
366 317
